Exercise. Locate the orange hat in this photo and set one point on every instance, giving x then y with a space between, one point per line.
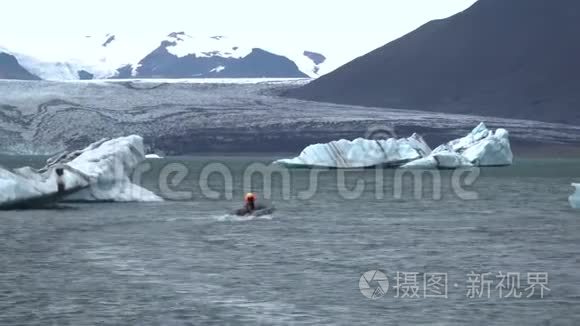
250 196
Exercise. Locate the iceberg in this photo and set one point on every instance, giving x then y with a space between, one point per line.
575 197
481 147
17 191
109 165
100 172
440 160
361 153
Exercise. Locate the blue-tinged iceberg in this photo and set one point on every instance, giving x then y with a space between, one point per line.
361 153
100 172
440 160
481 147
575 197
17 191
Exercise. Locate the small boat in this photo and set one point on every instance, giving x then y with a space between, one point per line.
260 211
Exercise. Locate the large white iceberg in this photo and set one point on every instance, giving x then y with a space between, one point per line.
575 197
100 172
481 147
18 191
361 153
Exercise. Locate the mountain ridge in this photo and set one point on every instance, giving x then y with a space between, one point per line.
511 59
177 55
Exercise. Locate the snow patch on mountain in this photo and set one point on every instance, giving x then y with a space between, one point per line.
117 55
218 69
211 46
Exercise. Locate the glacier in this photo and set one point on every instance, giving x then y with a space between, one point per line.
100 172
481 147
360 153
574 199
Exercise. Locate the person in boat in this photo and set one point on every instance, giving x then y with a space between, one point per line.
250 202
59 180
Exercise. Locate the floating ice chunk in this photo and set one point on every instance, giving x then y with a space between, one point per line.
575 197
14 188
153 156
440 160
100 172
26 188
494 150
458 145
109 165
361 153
481 147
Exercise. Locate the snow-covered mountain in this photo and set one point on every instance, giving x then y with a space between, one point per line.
177 55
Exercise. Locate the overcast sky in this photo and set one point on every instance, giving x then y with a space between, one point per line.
341 28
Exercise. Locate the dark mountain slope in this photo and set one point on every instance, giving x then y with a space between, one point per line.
509 58
259 63
11 69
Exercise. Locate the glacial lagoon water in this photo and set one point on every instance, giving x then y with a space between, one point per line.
189 262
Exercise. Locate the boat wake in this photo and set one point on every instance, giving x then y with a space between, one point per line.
237 218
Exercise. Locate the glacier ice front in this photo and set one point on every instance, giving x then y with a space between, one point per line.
360 153
575 197
481 147
100 172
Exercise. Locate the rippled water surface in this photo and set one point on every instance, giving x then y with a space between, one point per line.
191 263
